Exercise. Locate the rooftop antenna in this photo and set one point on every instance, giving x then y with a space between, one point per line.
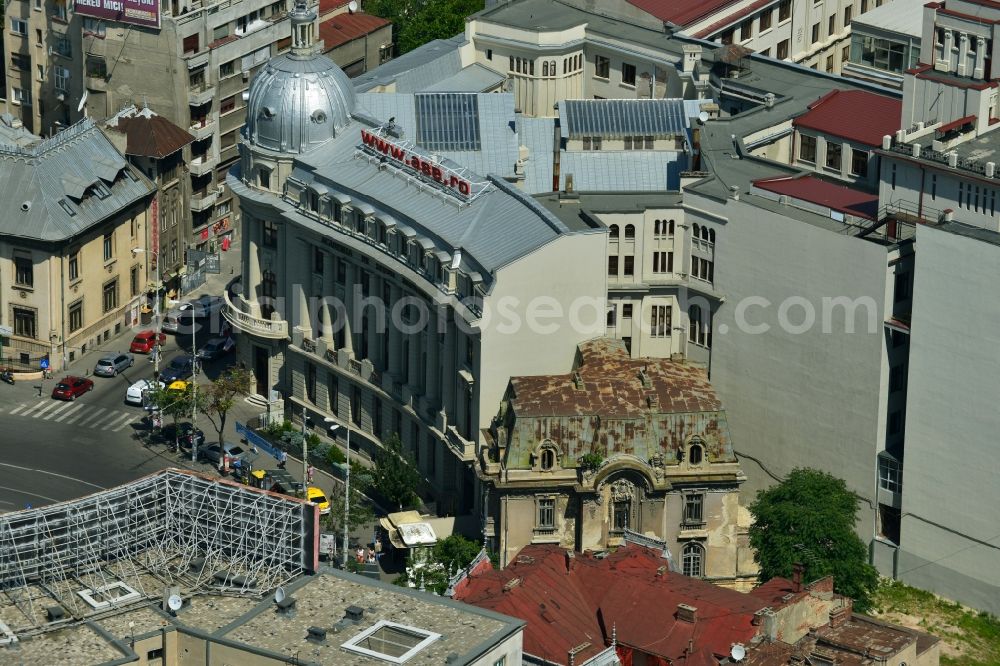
352 6
737 652
174 603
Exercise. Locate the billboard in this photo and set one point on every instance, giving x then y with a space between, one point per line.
145 13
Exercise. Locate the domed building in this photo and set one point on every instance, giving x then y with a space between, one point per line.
376 254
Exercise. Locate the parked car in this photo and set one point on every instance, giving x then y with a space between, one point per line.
216 348
184 433
184 317
207 306
213 454
70 388
144 341
180 367
110 365
176 318
136 393
318 497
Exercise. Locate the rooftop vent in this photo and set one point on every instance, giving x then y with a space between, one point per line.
317 634
511 584
644 379
55 613
687 613
354 613
578 382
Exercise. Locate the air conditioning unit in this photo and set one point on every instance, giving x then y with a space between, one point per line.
246 76
220 188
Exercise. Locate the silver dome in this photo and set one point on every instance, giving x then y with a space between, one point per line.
298 100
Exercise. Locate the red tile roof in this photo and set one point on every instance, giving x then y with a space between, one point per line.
613 386
344 28
630 590
955 124
855 115
825 193
329 5
680 12
154 137
729 19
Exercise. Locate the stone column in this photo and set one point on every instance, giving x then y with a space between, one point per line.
329 312
449 375
349 305
946 48
416 346
978 71
433 360
963 54
394 362
251 281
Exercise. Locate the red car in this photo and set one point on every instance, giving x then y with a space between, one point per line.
145 341
69 388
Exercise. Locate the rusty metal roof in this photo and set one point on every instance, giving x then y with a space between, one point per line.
610 384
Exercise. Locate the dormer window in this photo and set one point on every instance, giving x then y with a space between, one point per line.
548 459
696 453
264 178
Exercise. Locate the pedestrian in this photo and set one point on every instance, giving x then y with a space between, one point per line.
378 549
282 459
360 555
310 472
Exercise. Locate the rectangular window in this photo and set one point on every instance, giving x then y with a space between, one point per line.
93 27
859 163
76 316
784 10
356 405
897 378
727 36
629 265
64 47
22 96
591 143
815 33
24 274
782 50
889 519
628 74
746 30
807 149
311 383
693 509
602 67
702 269
61 78
663 262
831 25
833 155
270 238
227 69
848 11
74 266
765 20
659 321
933 186
20 61
626 311
613 265
546 513
24 322
96 67
109 246
18 27
319 259
190 43
890 473
133 281
902 287
110 296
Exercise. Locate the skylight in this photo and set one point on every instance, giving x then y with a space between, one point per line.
388 641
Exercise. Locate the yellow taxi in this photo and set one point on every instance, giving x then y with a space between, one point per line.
317 497
179 386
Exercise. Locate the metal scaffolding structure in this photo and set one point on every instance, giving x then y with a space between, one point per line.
173 529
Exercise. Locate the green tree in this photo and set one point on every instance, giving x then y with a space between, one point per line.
416 22
394 474
220 396
174 403
809 518
433 569
361 512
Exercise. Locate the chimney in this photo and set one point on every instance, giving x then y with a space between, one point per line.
953 159
797 570
569 560
578 381
915 148
653 401
840 616
687 613
991 169
644 379
887 142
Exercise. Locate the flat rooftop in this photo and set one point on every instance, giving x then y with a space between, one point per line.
903 16
572 209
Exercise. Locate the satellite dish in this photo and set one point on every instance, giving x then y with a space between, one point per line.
703 117
175 602
83 101
279 595
737 652
352 6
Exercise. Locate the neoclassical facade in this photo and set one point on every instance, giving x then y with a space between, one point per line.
386 288
618 446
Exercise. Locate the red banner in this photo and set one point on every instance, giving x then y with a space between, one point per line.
153 251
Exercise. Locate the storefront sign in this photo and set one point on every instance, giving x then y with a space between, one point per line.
145 13
420 165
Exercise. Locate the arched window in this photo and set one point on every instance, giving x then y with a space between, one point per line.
711 236
613 231
694 323
670 228
693 560
552 67
695 455
696 231
545 69
704 233
548 459
629 231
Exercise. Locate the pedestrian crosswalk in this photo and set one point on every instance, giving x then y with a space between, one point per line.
77 414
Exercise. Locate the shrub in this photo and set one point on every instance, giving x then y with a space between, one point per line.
335 456
591 460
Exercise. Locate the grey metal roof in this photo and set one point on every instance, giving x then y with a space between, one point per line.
474 78
498 227
498 150
621 170
447 121
50 180
417 70
622 117
903 16
538 136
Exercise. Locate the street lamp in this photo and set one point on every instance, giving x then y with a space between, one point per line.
347 483
156 312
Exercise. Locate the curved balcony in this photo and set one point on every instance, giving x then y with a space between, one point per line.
237 313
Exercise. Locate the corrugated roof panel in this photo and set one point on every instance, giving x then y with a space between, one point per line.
447 121
614 118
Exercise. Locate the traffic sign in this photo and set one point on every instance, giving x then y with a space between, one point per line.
44 364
